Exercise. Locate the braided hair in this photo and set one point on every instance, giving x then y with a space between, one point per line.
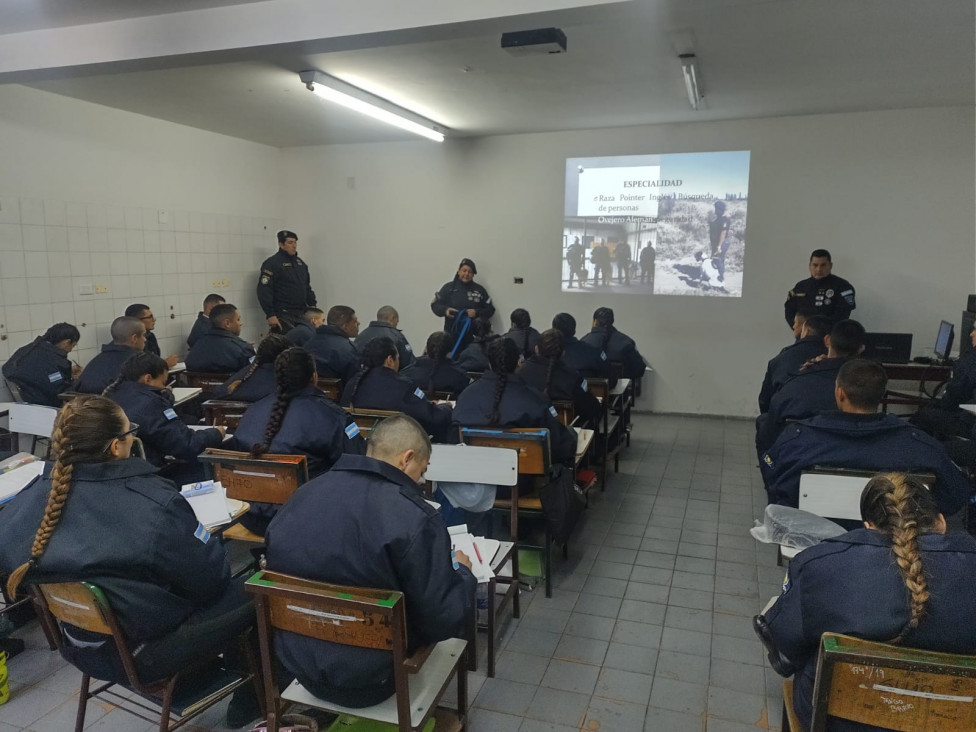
294 370
268 350
603 318
438 348
550 347
139 364
521 320
83 432
374 356
901 507
503 357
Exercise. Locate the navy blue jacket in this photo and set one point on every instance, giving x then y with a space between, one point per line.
335 355
588 360
619 348
831 296
201 326
521 406
300 333
162 432
284 285
880 442
130 532
786 363
380 329
365 524
961 389
809 392
41 370
257 386
446 376
152 345
565 385
524 338
851 584
383 388
313 426
461 296
219 351
103 369
474 356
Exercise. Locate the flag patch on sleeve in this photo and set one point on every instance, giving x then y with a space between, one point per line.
352 430
201 533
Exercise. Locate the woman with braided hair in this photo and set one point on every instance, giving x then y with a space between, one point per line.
98 515
474 356
522 334
41 369
619 348
256 380
547 372
901 579
434 371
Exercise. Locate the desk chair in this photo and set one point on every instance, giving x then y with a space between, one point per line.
331 386
14 390
32 419
367 419
67 396
565 411
203 380
226 413
888 686
365 618
610 427
83 605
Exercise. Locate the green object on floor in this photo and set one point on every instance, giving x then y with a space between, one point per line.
347 723
530 565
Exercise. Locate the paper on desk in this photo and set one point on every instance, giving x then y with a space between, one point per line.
181 366
465 542
211 508
14 481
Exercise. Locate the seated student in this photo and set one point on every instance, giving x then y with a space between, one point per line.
335 355
522 334
434 371
857 437
305 328
901 579
378 386
809 344
145 314
546 371
943 417
141 392
256 380
222 349
99 515
128 337
811 390
588 360
201 325
400 543
616 345
385 325
41 369
298 419
474 356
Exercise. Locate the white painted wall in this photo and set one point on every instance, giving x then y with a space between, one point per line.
890 193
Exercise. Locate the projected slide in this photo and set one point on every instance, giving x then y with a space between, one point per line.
656 224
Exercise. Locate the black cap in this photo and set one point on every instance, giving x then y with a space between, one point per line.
285 234
469 263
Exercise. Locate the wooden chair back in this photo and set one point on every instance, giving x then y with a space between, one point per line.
531 444
367 419
442 396
225 413
565 411
893 687
331 386
268 479
202 380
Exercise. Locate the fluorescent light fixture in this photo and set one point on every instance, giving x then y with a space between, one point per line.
332 89
692 76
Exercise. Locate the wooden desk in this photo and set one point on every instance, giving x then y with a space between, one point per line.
919 372
584 439
503 568
183 394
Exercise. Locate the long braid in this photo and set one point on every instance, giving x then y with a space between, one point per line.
502 359
356 381
294 370
375 354
550 347
268 350
438 346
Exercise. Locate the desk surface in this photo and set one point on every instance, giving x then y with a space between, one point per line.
584 438
184 394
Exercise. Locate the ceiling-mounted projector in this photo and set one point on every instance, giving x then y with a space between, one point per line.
543 41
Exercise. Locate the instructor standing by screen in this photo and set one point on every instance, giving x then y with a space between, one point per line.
284 287
822 293
462 295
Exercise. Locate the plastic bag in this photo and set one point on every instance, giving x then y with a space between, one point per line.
793 528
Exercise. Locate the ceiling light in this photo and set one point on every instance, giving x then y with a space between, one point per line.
692 76
351 97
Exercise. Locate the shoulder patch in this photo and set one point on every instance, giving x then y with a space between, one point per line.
553 412
169 413
583 385
768 460
419 392
786 581
265 279
267 272
55 377
201 533
352 429
603 355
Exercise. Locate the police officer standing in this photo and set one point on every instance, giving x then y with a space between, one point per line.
284 286
822 293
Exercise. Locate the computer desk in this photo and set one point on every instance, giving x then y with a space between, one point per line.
922 373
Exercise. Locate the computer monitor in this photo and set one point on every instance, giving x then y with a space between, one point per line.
943 343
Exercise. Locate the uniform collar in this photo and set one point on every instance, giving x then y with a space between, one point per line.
365 464
108 470
116 347
331 330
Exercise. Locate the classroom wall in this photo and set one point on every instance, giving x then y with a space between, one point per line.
890 193
148 210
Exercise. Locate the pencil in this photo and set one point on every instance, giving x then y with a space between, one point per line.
477 553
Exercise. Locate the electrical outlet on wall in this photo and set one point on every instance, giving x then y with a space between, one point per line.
101 289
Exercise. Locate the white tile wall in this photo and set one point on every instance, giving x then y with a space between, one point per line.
49 249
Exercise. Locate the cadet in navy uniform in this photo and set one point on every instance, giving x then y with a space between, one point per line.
41 369
335 355
128 337
474 356
202 324
141 392
305 328
378 386
822 293
616 345
522 334
145 314
385 325
462 294
810 343
943 417
298 419
284 285
400 543
857 437
256 380
434 371
222 349
502 398
104 517
546 372
902 579
588 360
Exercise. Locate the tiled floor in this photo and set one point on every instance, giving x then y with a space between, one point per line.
649 627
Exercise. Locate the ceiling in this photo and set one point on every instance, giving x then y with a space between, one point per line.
759 58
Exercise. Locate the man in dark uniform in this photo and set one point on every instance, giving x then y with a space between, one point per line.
718 237
335 355
809 344
588 360
822 293
647 257
305 328
41 369
859 438
575 256
621 255
600 256
128 337
202 324
145 314
284 286
385 326
222 350
401 543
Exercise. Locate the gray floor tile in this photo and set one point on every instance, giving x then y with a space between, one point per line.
571 676
689 619
533 641
695 599
29 704
605 714
558 707
737 676
521 667
680 666
736 706
508 697
639 611
661 720
629 657
646 593
598 605
638 634
742 650
655 559
605 586
694 564
624 686
535 725
544 618
483 720
651 575
589 626
686 641
613 570
679 696
581 650
693 581
622 541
